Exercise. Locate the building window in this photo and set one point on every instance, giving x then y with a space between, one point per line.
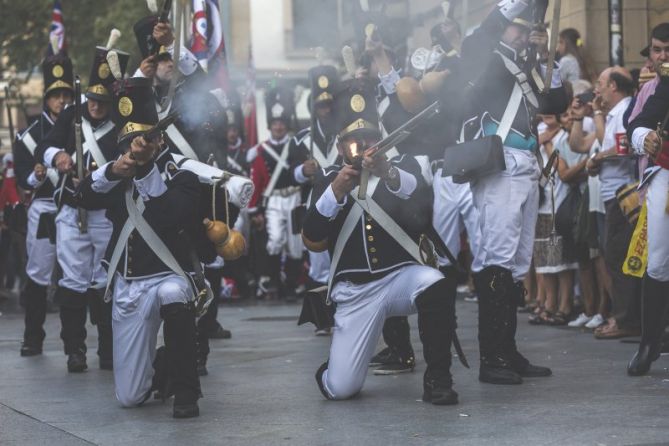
315 23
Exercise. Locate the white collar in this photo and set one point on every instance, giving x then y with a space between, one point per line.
279 143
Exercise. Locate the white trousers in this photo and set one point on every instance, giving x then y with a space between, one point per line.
508 203
454 211
135 323
243 225
658 226
361 311
319 266
41 252
280 237
80 255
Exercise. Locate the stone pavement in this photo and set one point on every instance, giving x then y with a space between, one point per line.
261 391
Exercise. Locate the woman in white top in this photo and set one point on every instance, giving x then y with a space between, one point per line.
554 260
573 65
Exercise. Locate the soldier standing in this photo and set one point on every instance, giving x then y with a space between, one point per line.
80 249
42 180
276 194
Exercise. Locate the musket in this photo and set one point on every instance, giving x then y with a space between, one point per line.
394 138
159 127
154 47
83 218
165 11
10 121
553 42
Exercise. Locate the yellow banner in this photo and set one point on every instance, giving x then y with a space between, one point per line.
637 253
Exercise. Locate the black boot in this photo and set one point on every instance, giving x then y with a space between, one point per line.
319 379
73 307
519 363
293 270
436 325
208 322
181 358
654 304
101 317
493 285
397 337
34 297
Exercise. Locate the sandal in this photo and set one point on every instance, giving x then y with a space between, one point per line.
541 316
559 318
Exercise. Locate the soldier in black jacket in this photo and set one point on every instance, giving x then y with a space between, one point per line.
376 275
647 139
80 253
33 176
198 133
505 94
153 268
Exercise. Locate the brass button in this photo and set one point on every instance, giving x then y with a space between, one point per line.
370 238
129 271
375 260
368 227
372 250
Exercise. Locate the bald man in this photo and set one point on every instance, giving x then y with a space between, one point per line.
614 92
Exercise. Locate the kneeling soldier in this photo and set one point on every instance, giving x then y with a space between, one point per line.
376 269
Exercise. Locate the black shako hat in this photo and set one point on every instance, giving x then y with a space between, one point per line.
134 109
101 79
355 108
58 73
280 104
324 81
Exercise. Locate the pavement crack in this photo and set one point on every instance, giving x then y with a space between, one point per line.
48 424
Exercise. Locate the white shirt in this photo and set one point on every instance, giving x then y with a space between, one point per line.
616 172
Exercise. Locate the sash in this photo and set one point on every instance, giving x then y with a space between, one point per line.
280 165
31 145
319 156
175 135
347 228
91 138
521 79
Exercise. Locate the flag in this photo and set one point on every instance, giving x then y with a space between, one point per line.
207 42
199 46
249 104
57 29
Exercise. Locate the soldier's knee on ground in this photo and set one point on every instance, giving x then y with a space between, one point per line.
132 396
342 387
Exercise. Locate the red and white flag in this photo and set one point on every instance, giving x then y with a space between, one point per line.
57 29
208 43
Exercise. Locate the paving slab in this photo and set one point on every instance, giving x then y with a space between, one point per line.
261 391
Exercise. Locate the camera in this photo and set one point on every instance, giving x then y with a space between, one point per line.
586 97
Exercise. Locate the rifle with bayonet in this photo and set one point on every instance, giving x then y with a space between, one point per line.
78 144
10 121
394 138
